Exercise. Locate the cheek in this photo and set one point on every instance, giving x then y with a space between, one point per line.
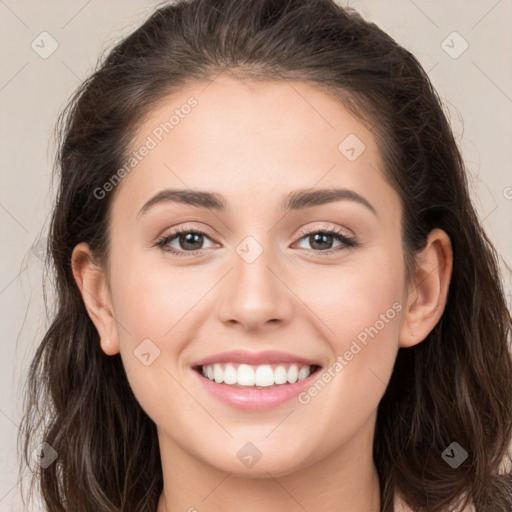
353 298
156 307
150 296
154 312
363 339
362 306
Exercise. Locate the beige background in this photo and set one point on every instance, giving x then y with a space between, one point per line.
476 86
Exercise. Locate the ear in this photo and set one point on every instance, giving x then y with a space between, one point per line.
92 283
428 294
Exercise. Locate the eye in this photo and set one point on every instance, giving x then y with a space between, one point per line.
190 240
321 240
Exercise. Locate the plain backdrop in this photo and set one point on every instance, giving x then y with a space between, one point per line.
465 46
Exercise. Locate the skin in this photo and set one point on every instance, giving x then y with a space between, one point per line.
254 143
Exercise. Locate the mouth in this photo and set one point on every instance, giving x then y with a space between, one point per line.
255 381
256 377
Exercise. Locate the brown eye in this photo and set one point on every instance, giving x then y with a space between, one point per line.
186 242
322 240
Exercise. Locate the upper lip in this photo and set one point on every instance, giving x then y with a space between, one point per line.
254 358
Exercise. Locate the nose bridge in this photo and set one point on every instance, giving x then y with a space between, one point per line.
253 294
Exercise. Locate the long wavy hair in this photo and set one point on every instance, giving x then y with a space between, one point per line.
455 386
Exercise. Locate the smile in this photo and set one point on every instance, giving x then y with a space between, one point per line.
247 392
256 376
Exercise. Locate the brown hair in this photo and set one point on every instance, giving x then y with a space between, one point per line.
454 386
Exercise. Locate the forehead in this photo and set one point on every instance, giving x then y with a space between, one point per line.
251 138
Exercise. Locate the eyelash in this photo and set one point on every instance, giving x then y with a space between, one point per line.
348 243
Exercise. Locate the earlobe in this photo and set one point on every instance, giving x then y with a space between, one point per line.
91 281
428 294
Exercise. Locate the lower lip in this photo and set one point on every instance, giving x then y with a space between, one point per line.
255 399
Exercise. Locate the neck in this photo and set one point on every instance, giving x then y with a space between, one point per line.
345 480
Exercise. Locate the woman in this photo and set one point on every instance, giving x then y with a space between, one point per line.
336 335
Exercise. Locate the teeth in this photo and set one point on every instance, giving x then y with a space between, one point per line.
280 375
230 375
293 374
303 373
218 374
245 375
263 375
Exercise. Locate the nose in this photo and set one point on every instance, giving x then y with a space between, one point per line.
255 295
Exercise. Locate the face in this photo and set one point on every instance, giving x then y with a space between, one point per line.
283 274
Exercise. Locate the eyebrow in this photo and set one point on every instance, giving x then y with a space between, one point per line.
295 200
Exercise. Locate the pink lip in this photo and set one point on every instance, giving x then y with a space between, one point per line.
254 358
256 399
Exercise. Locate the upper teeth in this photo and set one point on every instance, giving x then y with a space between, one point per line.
262 375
